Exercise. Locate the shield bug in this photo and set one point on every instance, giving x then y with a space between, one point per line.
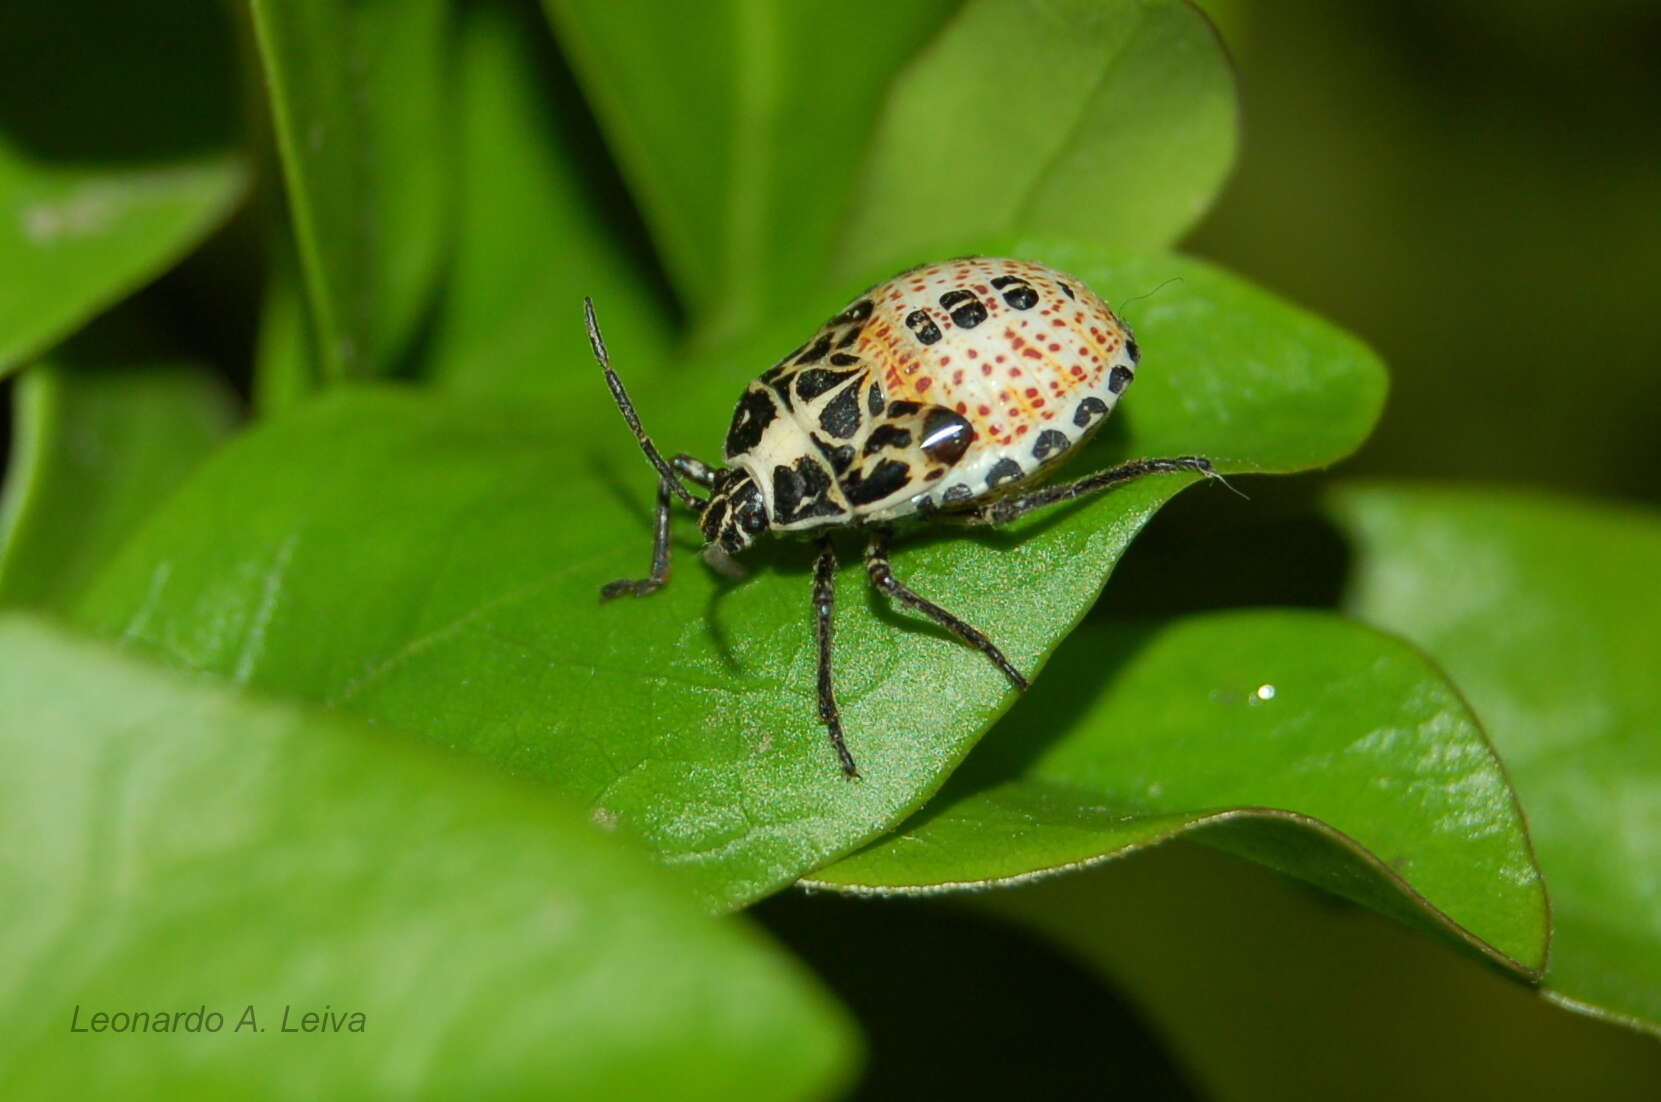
948 392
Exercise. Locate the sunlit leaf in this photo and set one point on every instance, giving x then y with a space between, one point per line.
1315 746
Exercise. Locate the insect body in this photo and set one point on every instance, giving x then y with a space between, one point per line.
948 392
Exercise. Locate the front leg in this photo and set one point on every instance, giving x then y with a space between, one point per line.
824 607
1004 510
660 554
881 573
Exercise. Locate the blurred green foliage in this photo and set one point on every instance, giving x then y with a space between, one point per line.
1469 187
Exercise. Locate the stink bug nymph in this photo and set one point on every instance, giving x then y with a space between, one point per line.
947 393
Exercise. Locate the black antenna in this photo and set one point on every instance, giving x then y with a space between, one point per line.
622 396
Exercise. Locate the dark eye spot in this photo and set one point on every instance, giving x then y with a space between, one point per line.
922 326
1004 470
946 436
1119 378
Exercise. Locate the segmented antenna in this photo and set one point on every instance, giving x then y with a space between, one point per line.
598 343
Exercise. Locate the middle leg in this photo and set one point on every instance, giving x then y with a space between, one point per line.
882 576
824 607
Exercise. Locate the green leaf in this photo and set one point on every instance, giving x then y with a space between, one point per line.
434 561
285 368
114 161
178 846
357 99
740 130
1108 121
1544 612
1265 991
531 240
95 448
1313 745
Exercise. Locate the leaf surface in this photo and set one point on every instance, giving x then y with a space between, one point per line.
1109 121
95 448
356 92
1544 612
1318 747
170 845
740 131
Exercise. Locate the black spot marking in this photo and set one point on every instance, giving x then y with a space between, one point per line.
946 436
966 310
859 311
1119 378
1019 294
840 417
955 494
902 409
1066 290
802 491
888 477
873 400
934 473
850 336
925 505
1131 350
787 493
922 326
1050 442
841 457
1004 470
887 436
817 352
817 380
1088 410
844 359
755 412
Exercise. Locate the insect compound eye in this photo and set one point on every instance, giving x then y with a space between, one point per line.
946 436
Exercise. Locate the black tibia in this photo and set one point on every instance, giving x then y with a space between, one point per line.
882 576
824 605
660 554
598 344
1007 509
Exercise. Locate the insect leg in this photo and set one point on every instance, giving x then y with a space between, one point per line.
882 576
1007 509
694 468
824 604
660 555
